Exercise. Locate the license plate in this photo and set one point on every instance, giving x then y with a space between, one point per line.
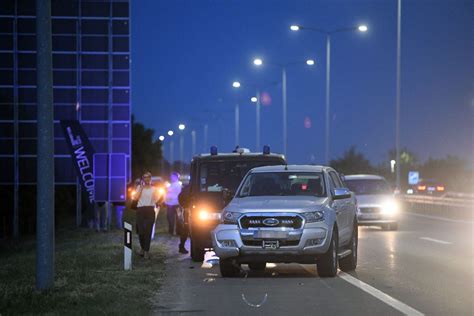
270 234
270 244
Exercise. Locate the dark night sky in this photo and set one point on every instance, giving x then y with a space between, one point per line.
187 53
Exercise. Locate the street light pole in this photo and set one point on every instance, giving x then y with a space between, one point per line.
237 124
397 115
206 132
193 143
257 116
181 128
45 151
285 109
360 28
328 101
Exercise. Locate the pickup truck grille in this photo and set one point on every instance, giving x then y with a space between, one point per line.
282 243
370 210
271 221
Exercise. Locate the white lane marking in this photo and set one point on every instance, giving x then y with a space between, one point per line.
387 299
441 218
436 240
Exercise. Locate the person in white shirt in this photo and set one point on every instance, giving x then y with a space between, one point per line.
174 212
147 197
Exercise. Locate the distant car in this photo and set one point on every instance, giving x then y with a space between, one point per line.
376 200
429 186
289 214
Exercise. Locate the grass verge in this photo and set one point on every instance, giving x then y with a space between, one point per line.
89 277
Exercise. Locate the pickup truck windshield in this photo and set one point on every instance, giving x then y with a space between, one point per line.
283 183
217 175
368 186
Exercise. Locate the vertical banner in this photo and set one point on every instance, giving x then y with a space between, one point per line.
82 155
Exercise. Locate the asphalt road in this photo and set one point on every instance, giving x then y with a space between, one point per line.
427 267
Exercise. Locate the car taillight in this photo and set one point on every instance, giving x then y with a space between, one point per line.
439 188
422 187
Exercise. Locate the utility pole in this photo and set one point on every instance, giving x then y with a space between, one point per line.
397 111
45 154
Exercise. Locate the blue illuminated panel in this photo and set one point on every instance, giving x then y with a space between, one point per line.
91 78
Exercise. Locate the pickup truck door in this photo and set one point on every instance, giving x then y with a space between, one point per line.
343 211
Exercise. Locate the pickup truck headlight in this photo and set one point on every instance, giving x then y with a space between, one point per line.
230 217
312 217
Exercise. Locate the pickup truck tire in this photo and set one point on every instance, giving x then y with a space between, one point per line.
349 263
197 251
229 269
327 263
257 266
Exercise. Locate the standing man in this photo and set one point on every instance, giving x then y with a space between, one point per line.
174 212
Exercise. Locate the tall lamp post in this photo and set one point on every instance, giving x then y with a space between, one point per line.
360 28
171 154
236 85
181 127
162 165
259 62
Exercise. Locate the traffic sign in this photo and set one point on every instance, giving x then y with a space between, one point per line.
413 177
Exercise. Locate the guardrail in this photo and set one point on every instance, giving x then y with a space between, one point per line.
461 207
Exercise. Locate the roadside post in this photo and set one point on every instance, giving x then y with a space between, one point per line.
127 247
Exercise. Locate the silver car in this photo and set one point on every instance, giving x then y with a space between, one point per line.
289 214
377 204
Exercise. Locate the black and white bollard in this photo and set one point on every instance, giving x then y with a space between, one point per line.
127 246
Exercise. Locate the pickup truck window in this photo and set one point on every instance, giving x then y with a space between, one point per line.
283 183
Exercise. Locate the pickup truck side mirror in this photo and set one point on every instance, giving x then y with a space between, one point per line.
227 195
341 193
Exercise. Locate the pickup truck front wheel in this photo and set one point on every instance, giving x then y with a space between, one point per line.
327 263
349 263
229 268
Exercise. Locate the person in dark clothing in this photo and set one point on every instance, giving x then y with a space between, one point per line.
147 197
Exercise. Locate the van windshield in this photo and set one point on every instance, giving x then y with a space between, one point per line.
368 186
218 175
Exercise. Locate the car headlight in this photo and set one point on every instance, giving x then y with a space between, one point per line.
390 208
314 216
230 217
205 215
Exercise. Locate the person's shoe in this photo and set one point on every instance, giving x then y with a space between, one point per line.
141 253
146 255
183 250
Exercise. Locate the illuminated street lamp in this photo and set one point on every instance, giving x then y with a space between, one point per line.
359 28
253 99
181 127
257 62
236 84
309 62
170 133
161 138
295 28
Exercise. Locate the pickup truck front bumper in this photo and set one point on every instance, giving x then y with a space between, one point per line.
271 244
